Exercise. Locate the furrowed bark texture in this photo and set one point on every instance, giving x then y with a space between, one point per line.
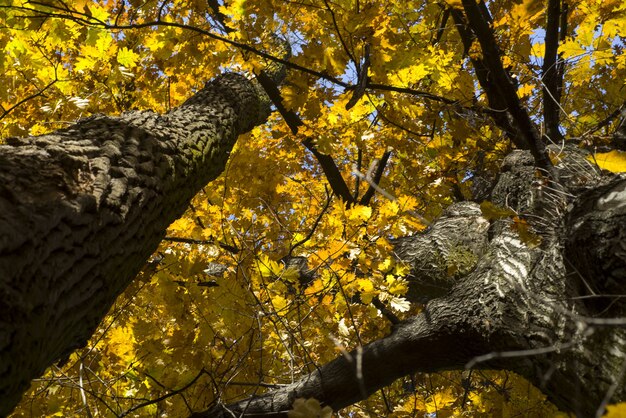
495 299
83 208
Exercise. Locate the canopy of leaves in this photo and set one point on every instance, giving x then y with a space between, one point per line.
221 312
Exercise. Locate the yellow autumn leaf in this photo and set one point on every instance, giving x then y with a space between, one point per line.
401 269
615 411
127 58
268 268
407 202
457 4
121 342
309 408
366 287
290 275
359 213
386 265
182 226
525 90
399 304
279 303
96 11
613 161
395 285
493 212
440 400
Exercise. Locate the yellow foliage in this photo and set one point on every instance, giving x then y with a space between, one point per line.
359 214
493 212
121 343
268 268
614 161
309 408
127 57
615 411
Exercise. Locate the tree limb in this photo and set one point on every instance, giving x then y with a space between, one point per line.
504 85
380 169
333 175
551 83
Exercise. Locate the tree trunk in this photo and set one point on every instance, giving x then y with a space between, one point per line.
83 208
498 298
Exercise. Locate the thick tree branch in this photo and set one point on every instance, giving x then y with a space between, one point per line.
217 15
600 216
504 85
333 175
494 98
560 65
363 79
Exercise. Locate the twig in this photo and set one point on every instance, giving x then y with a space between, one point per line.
389 196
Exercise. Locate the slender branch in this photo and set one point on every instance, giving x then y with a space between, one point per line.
418 93
382 116
518 353
550 79
387 313
389 196
171 393
314 227
380 168
32 96
343 43
357 182
604 122
226 247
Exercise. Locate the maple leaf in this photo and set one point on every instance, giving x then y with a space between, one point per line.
614 161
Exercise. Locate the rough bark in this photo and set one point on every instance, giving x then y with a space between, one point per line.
83 208
495 299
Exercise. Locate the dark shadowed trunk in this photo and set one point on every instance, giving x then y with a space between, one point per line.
83 208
